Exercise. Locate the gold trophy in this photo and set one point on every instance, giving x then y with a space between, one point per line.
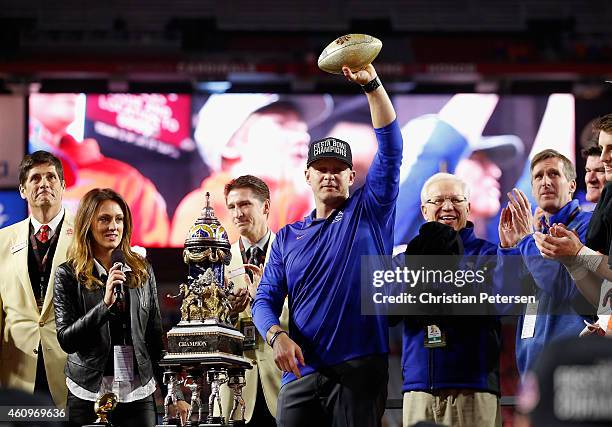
205 342
103 407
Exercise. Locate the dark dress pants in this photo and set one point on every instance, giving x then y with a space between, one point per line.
351 394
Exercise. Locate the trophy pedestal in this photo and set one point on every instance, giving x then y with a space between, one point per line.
207 339
205 344
170 422
205 348
214 422
236 423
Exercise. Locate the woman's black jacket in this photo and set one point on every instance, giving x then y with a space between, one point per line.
83 330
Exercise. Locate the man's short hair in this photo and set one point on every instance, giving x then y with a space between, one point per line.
604 123
569 170
39 158
443 176
256 185
591 150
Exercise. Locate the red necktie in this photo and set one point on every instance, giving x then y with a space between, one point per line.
43 234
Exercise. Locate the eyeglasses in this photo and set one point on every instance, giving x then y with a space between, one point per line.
455 200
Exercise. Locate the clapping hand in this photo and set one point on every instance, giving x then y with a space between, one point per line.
522 218
508 236
516 219
560 243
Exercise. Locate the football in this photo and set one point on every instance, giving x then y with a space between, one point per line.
353 50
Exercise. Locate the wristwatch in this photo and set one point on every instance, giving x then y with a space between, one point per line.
372 85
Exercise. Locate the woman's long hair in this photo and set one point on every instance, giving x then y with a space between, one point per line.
80 253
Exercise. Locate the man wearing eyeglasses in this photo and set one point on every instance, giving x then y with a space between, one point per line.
451 364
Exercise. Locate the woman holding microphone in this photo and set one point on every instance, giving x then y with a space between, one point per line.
107 316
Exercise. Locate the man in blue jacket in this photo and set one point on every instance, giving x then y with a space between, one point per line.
333 358
553 182
455 380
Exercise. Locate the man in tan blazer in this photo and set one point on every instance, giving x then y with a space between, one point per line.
30 251
248 201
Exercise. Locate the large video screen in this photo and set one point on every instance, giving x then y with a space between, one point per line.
163 152
12 207
12 129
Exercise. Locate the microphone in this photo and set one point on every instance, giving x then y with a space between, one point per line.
118 258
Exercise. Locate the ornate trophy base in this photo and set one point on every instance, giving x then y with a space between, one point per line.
205 344
214 422
205 349
208 339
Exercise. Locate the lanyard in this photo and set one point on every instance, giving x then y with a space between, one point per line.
546 226
573 215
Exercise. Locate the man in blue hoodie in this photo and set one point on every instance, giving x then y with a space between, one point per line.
453 381
333 358
559 309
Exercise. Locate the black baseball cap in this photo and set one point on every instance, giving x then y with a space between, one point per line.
330 148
